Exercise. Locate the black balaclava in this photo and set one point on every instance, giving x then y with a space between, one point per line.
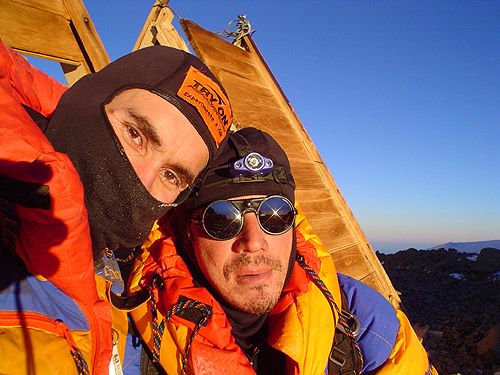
217 183
121 210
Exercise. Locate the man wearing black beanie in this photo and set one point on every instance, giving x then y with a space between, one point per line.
84 174
239 284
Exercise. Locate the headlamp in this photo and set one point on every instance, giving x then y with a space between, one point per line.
251 165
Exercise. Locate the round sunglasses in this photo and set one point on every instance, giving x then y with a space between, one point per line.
223 219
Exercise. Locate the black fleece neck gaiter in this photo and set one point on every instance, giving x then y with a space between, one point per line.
121 211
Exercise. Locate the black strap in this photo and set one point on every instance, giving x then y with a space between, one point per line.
129 303
240 144
37 117
343 360
147 366
26 194
193 314
268 361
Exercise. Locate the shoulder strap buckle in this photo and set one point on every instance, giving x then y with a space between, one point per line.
351 321
338 356
345 357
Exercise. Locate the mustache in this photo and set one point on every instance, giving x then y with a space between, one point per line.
245 260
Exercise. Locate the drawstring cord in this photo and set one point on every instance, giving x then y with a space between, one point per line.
111 255
344 317
81 364
158 328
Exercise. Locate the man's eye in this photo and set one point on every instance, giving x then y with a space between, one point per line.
169 177
134 135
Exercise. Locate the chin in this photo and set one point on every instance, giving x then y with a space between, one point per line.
256 305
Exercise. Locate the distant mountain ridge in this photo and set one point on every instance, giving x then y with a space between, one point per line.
468 247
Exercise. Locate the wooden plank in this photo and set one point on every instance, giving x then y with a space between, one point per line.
32 30
158 29
74 72
94 53
53 6
258 101
60 30
146 37
167 34
319 201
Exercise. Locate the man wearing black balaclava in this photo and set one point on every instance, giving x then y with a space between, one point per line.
239 284
158 110
84 174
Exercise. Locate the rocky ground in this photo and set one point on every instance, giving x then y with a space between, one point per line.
453 300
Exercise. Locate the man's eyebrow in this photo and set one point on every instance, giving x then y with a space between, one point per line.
146 127
184 174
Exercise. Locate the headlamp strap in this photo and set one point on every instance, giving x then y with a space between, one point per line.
240 144
280 175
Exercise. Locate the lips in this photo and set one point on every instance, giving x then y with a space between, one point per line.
249 268
253 276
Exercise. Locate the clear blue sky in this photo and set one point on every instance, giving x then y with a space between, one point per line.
402 99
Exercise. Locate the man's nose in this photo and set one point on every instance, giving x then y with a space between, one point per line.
252 238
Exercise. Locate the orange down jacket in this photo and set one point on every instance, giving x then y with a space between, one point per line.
53 242
192 335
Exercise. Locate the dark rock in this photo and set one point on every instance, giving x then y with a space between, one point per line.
461 315
421 330
488 348
488 261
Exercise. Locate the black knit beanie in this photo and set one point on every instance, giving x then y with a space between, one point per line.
219 182
121 210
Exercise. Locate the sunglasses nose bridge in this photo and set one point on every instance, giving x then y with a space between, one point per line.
251 236
247 210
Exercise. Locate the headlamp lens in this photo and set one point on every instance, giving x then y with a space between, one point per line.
254 162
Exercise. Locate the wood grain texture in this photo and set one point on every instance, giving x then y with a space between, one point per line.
158 29
53 6
59 30
95 54
258 101
36 31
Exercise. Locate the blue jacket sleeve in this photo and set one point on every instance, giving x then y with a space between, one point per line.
378 319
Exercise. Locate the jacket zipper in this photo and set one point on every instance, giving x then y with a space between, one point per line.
18 318
94 332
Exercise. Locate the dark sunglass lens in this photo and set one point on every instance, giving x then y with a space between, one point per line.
222 220
276 215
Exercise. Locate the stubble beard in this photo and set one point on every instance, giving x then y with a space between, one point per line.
259 299
261 303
